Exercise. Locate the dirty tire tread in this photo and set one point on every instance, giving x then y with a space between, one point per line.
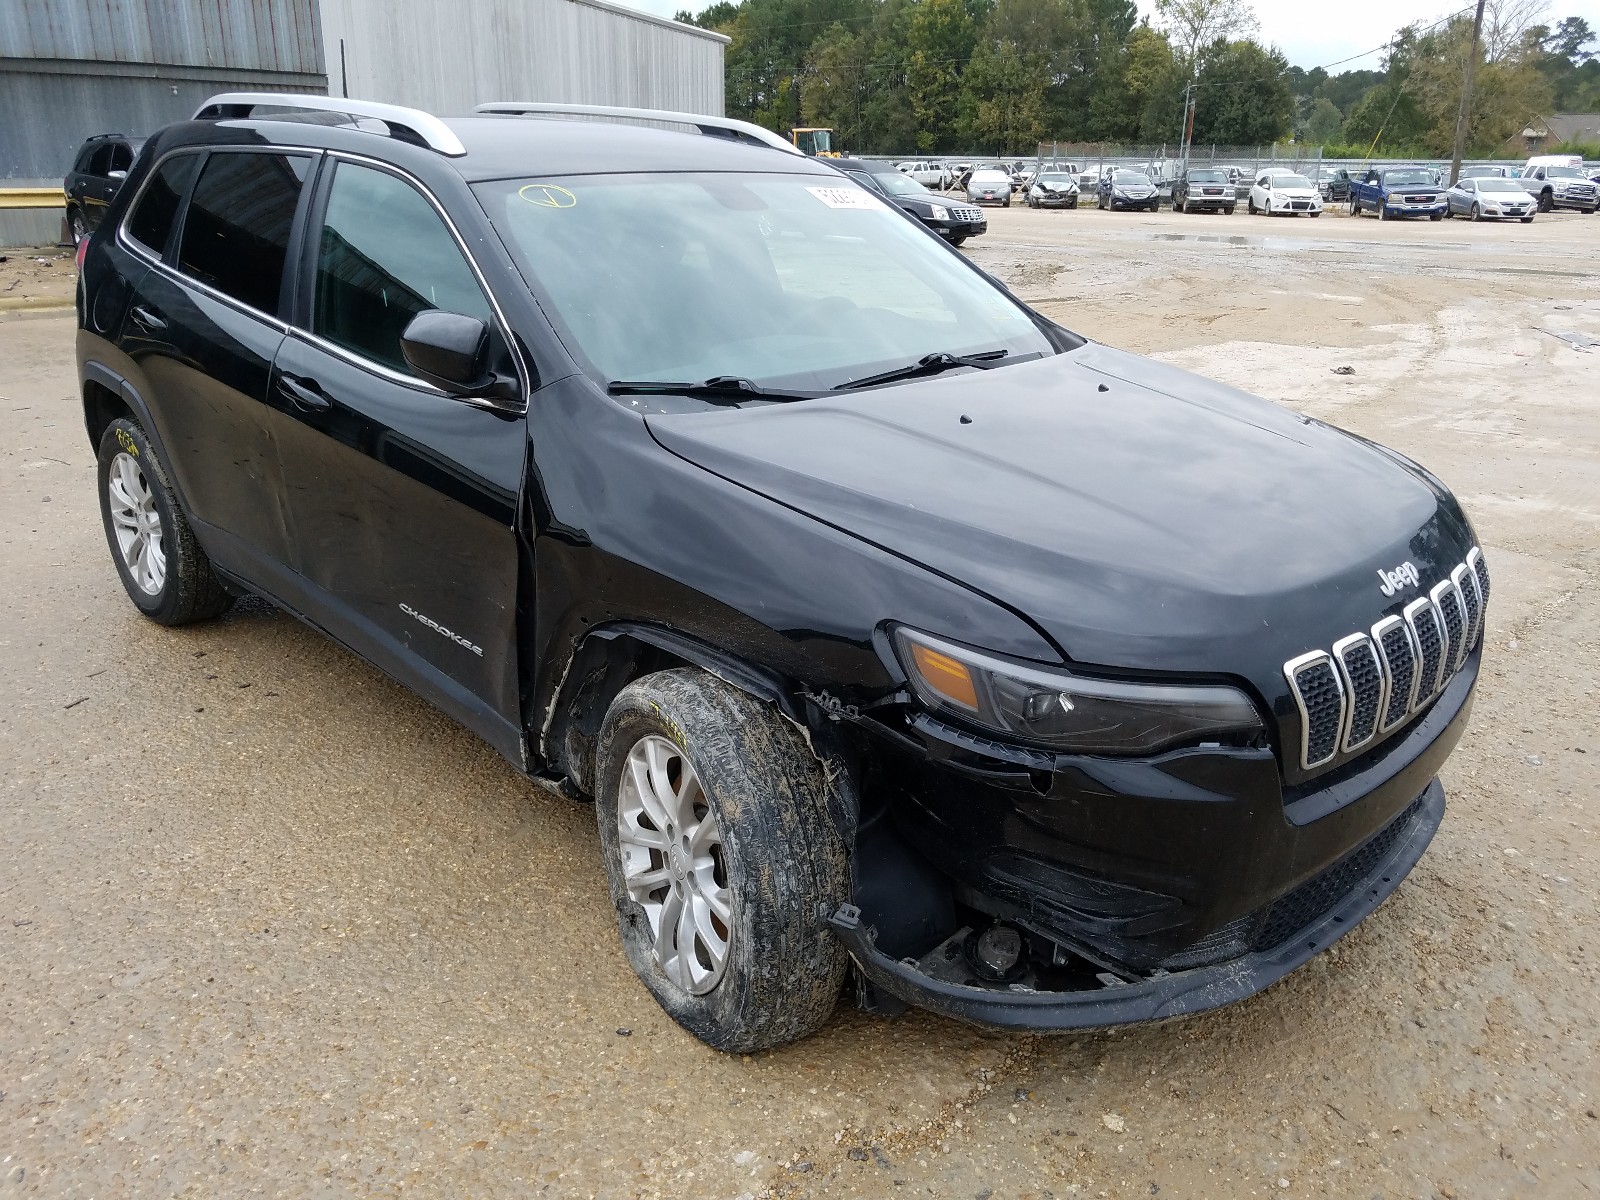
787 863
192 591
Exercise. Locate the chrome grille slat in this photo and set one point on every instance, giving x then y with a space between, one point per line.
1398 650
1374 681
1320 695
1361 671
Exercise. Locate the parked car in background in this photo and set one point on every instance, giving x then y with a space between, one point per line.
1203 189
929 174
1489 198
1053 189
1397 192
101 165
953 222
1122 188
1487 171
1555 183
1280 193
1333 184
989 185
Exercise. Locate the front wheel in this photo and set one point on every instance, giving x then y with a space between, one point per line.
1433 216
1383 211
1475 214
1177 205
1315 214
1228 210
163 569
723 859
956 241
1527 220
1547 202
1006 203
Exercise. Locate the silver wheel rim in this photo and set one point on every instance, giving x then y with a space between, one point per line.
673 863
137 524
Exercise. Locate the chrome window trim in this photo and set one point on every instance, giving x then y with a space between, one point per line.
1379 632
1339 648
1422 604
1444 592
131 244
387 372
1291 669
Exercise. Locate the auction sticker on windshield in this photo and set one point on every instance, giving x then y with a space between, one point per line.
845 197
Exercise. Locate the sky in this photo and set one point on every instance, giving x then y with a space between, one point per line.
1310 34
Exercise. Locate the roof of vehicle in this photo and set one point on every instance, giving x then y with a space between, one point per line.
507 147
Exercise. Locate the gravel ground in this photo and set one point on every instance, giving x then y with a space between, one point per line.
269 925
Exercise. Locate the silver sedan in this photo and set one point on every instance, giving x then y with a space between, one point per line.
1490 199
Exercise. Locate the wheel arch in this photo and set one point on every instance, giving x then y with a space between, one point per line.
611 656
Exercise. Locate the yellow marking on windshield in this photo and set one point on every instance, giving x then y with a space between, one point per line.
547 195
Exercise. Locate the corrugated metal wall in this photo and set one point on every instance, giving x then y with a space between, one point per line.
447 57
259 35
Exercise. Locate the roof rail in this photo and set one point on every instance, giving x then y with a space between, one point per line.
724 127
406 124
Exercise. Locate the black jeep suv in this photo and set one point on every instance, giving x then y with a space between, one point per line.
892 629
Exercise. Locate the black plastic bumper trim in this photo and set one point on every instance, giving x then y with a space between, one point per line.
1177 994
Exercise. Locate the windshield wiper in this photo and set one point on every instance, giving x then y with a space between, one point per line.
720 389
929 364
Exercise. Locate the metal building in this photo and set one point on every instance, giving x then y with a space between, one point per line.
71 68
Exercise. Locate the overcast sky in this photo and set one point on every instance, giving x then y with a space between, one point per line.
1311 34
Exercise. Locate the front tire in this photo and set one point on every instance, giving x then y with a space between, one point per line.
1383 211
163 569
956 241
723 859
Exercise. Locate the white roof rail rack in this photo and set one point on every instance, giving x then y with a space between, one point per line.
407 124
711 126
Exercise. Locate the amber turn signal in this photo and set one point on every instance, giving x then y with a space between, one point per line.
947 676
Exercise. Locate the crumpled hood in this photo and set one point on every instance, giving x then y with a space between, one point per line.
1141 516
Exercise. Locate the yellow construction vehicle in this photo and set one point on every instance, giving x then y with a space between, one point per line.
818 143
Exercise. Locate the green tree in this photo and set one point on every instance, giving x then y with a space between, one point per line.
1195 24
1323 121
1242 95
940 36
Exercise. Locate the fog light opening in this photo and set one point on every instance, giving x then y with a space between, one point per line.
997 952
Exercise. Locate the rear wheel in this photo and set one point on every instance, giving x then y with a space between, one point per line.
1250 205
163 569
723 859
79 227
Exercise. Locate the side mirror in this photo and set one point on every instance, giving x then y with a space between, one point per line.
451 351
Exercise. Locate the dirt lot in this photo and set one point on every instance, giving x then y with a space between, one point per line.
271 926
36 276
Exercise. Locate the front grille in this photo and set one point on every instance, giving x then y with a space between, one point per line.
1372 682
1287 916
960 212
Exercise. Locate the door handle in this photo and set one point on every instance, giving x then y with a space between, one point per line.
304 392
149 320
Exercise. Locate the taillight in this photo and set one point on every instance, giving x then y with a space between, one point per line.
83 248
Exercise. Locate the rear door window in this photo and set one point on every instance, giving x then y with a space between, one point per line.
384 255
236 229
157 207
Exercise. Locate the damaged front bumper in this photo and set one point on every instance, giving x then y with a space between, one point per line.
1162 994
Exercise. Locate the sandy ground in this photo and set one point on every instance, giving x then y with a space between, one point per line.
271 926
35 277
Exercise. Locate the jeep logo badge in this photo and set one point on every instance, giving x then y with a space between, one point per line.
1405 575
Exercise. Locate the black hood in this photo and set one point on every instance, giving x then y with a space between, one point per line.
1140 516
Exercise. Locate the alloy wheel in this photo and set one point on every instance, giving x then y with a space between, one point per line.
673 864
80 231
137 524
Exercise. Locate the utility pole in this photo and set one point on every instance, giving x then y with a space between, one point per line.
1466 97
1189 99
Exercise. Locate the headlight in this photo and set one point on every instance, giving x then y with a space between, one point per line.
1069 712
940 213
1118 192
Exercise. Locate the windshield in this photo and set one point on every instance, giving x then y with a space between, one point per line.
1208 177
1055 177
1133 177
1563 173
790 281
990 175
897 184
1406 178
1483 173
1285 182
813 141
1500 185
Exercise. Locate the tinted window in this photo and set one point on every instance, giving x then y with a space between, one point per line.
121 156
384 256
236 230
84 157
158 204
